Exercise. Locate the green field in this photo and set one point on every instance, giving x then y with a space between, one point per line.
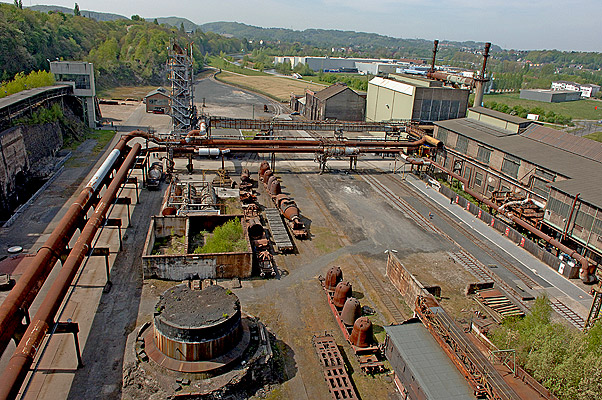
581 109
597 136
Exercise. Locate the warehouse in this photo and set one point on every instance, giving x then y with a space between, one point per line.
157 101
500 153
403 97
335 102
549 96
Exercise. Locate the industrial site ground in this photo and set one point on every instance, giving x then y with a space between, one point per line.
350 225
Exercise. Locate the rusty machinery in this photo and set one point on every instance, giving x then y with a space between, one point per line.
20 298
476 82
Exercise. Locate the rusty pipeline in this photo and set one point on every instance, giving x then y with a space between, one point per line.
18 366
29 284
586 272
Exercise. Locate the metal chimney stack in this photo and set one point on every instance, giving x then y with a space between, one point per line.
480 81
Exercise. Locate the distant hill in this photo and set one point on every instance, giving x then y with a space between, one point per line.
176 22
98 16
330 37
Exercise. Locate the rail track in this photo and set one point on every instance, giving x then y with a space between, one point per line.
467 260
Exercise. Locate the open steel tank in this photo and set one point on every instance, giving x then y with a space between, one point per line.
341 292
333 277
361 335
264 166
352 310
196 325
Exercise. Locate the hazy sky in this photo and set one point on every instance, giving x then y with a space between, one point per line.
516 24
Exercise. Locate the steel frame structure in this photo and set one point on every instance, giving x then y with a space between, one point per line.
181 101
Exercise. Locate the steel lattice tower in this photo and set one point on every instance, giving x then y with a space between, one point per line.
182 109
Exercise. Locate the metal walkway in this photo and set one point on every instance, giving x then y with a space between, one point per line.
282 240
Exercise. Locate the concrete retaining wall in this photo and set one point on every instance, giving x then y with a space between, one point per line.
186 266
409 287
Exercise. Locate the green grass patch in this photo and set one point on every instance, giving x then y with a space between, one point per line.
597 136
226 238
102 137
580 109
223 64
249 134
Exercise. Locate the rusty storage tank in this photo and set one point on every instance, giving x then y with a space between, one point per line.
280 198
275 188
264 166
245 175
341 292
271 179
266 175
289 209
255 228
197 325
333 277
351 311
361 335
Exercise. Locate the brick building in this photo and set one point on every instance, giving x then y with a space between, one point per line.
335 102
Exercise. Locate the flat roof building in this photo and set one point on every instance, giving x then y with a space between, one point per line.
549 96
80 74
421 367
404 97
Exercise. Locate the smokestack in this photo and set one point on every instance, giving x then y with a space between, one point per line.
435 45
480 81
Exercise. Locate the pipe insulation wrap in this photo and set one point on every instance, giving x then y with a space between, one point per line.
106 166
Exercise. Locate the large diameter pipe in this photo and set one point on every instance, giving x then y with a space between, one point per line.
29 284
18 366
584 272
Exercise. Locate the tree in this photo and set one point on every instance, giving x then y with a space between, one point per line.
137 17
76 11
19 3
156 22
182 27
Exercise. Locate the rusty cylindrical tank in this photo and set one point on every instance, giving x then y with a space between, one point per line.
275 188
361 335
245 175
333 277
255 228
289 210
352 310
280 198
264 166
269 182
341 292
267 174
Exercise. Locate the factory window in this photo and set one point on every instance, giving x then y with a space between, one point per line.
81 81
583 219
597 228
483 154
558 207
544 174
540 187
478 179
442 134
490 189
505 188
510 165
462 144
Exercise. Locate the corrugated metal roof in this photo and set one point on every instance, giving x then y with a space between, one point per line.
158 90
430 366
330 91
393 85
574 144
585 174
499 115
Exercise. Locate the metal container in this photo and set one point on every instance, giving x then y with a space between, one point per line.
275 188
280 198
333 277
361 335
245 175
289 210
255 228
341 292
267 174
264 166
352 310
271 179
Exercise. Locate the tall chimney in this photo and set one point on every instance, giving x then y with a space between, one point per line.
480 81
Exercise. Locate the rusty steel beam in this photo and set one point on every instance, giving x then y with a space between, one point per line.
265 125
29 284
13 376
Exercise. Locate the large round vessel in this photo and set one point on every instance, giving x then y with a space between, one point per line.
361 335
341 292
333 277
264 166
197 325
352 310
